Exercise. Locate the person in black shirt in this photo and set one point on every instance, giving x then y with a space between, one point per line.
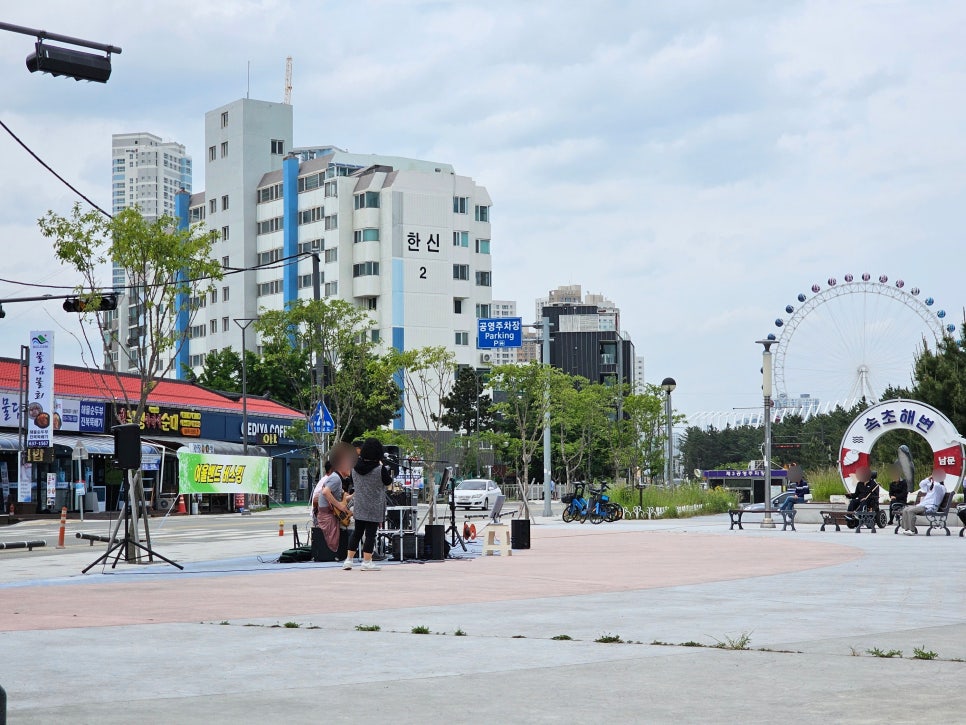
866 490
898 491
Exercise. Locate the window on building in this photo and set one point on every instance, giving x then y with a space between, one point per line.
483 279
312 181
461 204
224 262
212 206
462 338
457 305
269 225
365 269
482 213
312 245
213 296
270 288
272 255
332 255
370 303
305 280
307 216
332 222
375 335
331 189
332 288
365 235
213 325
196 214
482 246
224 119
367 200
224 294
212 153
197 331
483 311
270 193
225 322
224 149
461 271
608 353
278 146
461 239
224 234
224 202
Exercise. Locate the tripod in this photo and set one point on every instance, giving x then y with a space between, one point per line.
129 543
452 530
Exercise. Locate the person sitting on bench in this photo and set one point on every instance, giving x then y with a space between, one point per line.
866 493
932 491
898 491
802 489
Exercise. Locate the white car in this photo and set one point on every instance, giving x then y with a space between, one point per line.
480 492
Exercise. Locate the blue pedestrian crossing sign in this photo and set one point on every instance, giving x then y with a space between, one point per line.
321 420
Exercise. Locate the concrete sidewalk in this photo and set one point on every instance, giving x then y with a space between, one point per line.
212 646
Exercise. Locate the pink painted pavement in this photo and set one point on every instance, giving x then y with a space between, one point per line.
562 562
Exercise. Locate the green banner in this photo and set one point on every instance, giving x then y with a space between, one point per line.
212 473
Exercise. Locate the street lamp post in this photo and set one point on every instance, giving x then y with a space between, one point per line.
244 323
547 510
668 384
766 390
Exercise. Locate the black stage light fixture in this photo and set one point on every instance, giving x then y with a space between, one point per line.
74 64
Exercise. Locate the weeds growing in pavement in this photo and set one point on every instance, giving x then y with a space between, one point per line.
876 652
921 653
739 642
367 628
459 632
292 625
609 639
562 637
420 630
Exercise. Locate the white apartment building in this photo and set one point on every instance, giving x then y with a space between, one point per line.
405 239
639 382
146 172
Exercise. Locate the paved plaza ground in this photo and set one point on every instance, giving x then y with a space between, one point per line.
154 645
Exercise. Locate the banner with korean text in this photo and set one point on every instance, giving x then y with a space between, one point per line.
40 390
215 473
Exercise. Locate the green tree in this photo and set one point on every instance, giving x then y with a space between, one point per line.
468 405
527 393
580 417
222 371
331 335
645 416
939 379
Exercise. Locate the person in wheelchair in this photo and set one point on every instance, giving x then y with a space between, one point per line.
865 497
898 492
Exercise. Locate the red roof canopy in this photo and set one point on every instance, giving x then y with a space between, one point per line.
77 382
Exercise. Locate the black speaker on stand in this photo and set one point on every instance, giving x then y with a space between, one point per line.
127 446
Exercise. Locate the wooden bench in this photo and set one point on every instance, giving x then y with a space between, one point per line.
936 519
788 518
866 518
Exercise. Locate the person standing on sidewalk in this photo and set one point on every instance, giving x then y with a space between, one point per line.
933 491
369 478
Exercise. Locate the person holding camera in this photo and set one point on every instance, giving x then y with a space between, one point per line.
370 478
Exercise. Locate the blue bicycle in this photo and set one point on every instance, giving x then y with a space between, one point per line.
577 506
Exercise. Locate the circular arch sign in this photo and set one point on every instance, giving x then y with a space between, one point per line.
910 415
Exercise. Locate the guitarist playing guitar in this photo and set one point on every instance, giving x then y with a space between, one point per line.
330 502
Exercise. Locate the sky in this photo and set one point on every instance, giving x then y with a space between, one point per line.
700 163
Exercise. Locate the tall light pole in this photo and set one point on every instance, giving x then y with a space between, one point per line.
244 323
766 390
547 510
668 384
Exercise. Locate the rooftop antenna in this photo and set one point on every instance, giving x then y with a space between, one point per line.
287 98
248 90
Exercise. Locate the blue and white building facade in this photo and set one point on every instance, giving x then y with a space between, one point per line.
407 240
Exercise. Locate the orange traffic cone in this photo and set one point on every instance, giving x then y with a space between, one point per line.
473 532
181 509
281 528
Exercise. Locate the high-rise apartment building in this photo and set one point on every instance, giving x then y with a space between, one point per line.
639 374
146 172
407 240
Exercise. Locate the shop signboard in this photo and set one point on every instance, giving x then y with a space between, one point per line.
67 414
215 473
160 420
92 414
25 483
9 411
40 390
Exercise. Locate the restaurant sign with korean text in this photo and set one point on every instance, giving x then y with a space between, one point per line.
908 415
40 390
159 420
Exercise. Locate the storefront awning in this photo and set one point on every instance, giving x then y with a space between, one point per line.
9 442
208 446
98 445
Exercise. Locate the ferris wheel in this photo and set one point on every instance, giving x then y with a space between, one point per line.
850 340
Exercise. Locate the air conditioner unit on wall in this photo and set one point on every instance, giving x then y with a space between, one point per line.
486 357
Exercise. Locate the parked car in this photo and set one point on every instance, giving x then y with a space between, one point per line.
776 502
480 492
